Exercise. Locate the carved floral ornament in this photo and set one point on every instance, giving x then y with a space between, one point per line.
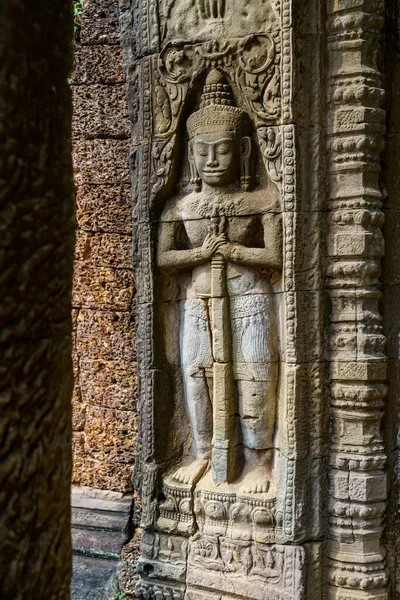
252 63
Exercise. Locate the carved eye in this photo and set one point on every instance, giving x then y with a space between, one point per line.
201 150
223 149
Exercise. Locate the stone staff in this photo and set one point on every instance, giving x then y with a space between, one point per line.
223 392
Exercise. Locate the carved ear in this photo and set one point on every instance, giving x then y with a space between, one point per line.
190 148
194 175
245 147
246 178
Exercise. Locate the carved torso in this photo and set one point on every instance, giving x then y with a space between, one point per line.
244 214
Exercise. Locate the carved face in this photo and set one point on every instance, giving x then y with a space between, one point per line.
216 156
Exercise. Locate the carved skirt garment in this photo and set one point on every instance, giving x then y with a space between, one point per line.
254 336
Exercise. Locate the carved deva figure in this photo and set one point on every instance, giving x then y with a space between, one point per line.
220 239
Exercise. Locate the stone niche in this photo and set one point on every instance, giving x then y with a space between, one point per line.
229 108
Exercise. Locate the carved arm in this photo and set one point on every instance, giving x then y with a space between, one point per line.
168 257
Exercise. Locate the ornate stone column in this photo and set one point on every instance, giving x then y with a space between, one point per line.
356 127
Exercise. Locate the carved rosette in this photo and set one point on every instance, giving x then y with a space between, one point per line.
357 488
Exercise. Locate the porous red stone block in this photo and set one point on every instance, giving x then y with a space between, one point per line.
111 434
100 22
100 474
108 383
130 555
104 208
104 334
76 392
101 161
78 443
97 64
78 416
104 343
104 249
101 287
100 111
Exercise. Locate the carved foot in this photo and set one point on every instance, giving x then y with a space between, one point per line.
255 487
256 481
190 474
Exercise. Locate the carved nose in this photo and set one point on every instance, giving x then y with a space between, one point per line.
212 162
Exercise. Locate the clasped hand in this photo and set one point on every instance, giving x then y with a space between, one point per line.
216 244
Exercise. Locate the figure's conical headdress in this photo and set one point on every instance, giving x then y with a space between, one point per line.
217 110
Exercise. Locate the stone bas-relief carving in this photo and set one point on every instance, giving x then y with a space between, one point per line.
230 201
271 571
228 324
357 487
219 240
216 19
219 477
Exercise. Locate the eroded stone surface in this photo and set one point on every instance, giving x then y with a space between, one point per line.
228 385
242 231
36 248
101 523
104 408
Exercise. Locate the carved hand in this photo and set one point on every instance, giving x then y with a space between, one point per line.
226 250
212 244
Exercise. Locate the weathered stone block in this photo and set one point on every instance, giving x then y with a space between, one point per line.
100 474
130 555
104 208
100 111
367 488
104 249
104 334
108 383
101 162
78 416
110 435
98 64
101 287
100 22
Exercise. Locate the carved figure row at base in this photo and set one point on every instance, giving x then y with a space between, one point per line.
220 513
236 568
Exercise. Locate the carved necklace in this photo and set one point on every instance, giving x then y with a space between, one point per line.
226 206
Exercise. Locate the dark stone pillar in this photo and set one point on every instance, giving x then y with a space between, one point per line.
36 250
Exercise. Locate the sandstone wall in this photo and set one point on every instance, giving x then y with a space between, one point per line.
36 247
104 401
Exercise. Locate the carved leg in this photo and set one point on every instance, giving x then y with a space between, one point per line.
200 416
195 357
199 410
257 408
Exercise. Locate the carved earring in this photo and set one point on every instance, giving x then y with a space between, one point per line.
246 179
194 176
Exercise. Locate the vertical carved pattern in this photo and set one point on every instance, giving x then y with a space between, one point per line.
357 485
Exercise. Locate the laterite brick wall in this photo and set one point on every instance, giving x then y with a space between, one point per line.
104 402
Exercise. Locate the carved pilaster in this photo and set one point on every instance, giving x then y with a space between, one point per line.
357 482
